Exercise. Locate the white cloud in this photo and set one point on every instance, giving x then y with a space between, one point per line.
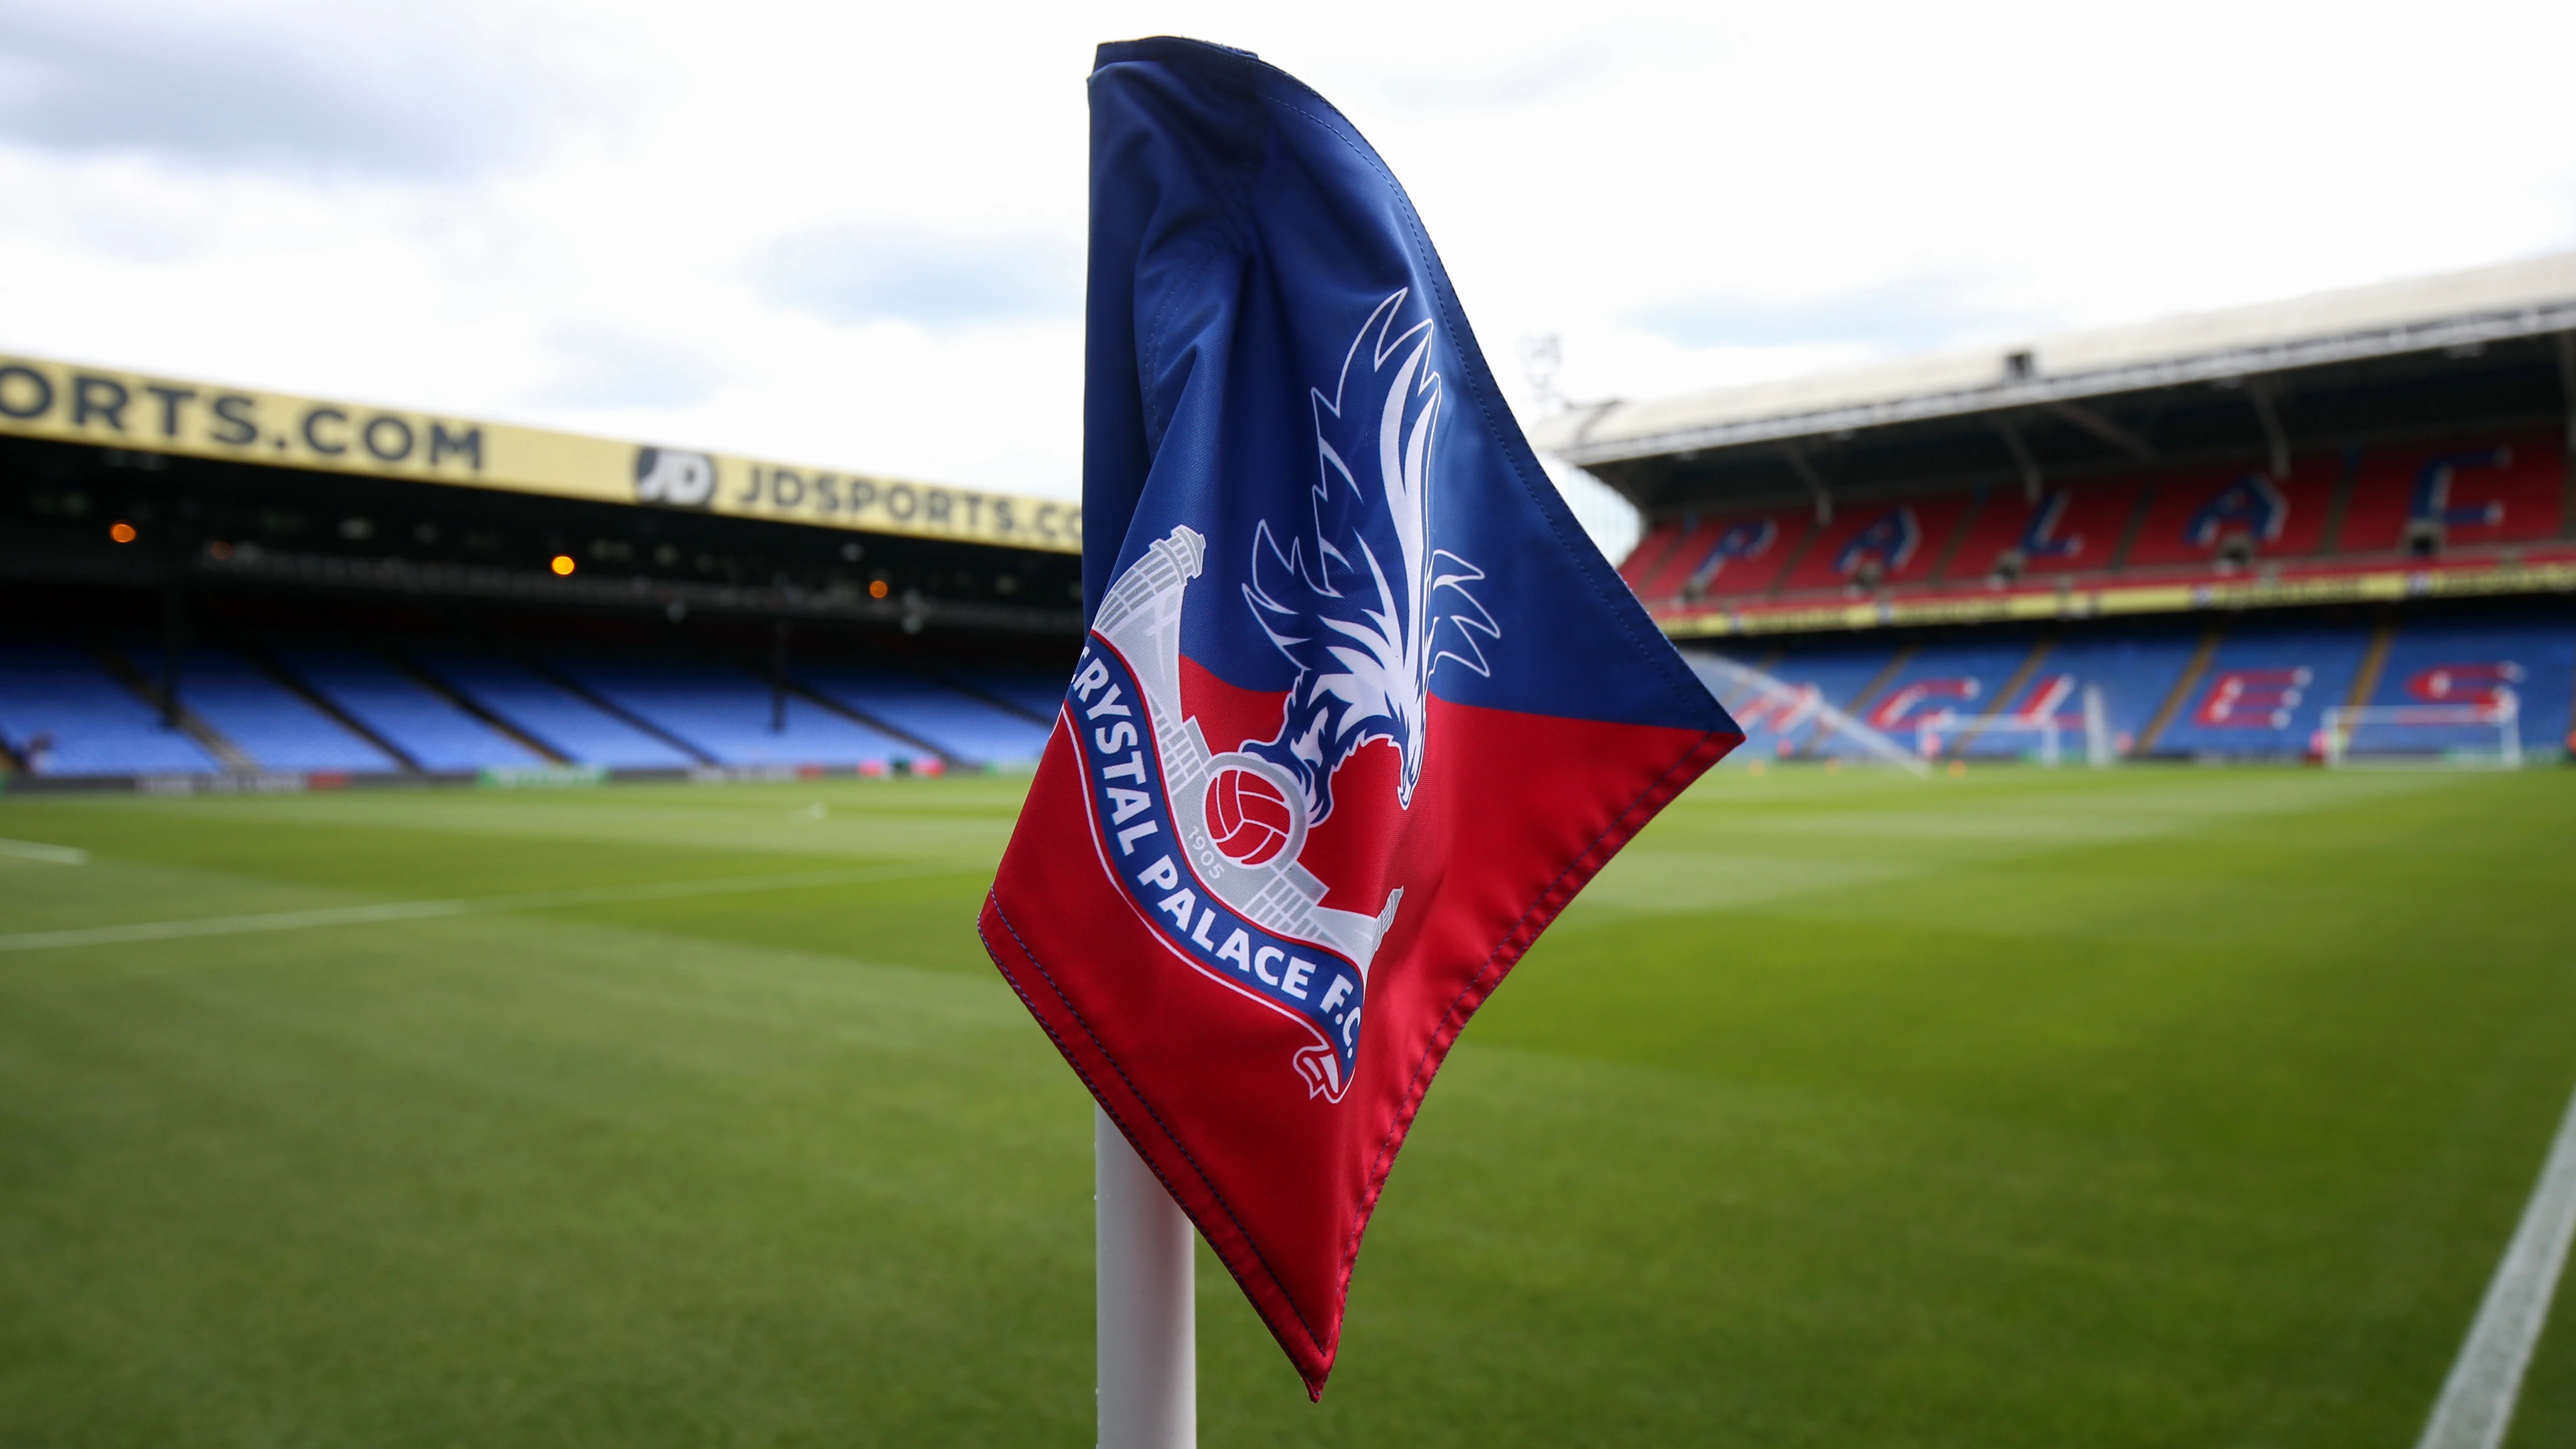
852 235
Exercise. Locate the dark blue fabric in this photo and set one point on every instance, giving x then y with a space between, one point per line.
1243 235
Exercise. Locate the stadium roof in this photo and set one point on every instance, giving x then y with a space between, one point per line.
2489 342
66 403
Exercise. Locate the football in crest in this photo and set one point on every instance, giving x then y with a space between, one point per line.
1247 817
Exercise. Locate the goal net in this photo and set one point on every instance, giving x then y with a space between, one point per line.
1757 699
2042 736
2485 735
2042 732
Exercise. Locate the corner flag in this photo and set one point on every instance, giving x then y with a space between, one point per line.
1359 707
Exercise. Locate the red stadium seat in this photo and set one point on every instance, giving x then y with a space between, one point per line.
1880 543
1732 555
1741 555
2196 518
1649 553
2073 528
2458 494
1660 581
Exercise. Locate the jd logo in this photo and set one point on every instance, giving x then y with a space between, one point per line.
674 478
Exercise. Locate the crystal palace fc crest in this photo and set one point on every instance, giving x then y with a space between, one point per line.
1207 839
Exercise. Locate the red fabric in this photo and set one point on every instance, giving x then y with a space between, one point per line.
1279 1182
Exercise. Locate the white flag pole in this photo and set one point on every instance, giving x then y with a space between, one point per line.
1145 1314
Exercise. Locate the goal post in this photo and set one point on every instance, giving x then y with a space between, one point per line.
1932 734
2485 735
2046 728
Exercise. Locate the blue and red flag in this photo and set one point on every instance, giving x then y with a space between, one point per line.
1359 707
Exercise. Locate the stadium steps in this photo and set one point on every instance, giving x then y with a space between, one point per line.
1960 532
598 701
1797 555
1037 698
2193 670
1649 554
534 707
997 700
1814 748
2003 696
2374 662
296 684
961 726
232 757
507 728
2339 503
857 716
2130 528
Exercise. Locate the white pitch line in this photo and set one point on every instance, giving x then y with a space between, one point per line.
36 850
463 906
2476 1406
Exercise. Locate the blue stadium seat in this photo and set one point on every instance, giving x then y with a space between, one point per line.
726 713
1953 680
572 726
962 727
430 729
2135 672
1838 671
2265 692
274 725
1038 693
2462 661
96 726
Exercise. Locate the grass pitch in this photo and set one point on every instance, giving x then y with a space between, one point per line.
2150 1108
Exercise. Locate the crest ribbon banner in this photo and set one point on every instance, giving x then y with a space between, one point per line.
1359 706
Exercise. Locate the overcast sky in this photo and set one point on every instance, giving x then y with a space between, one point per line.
852 235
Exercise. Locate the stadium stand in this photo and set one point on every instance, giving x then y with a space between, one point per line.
1036 695
2458 494
2170 690
538 707
2263 693
2071 528
725 716
2252 686
1745 556
1838 671
2234 516
2467 662
1945 685
406 713
277 728
1884 545
63 714
2222 526
2135 669
1656 556
2405 439
2457 500
957 725
1739 554
1652 548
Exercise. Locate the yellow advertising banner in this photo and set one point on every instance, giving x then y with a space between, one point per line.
2372 587
146 413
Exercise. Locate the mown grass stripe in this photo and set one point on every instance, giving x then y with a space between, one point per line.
384 911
